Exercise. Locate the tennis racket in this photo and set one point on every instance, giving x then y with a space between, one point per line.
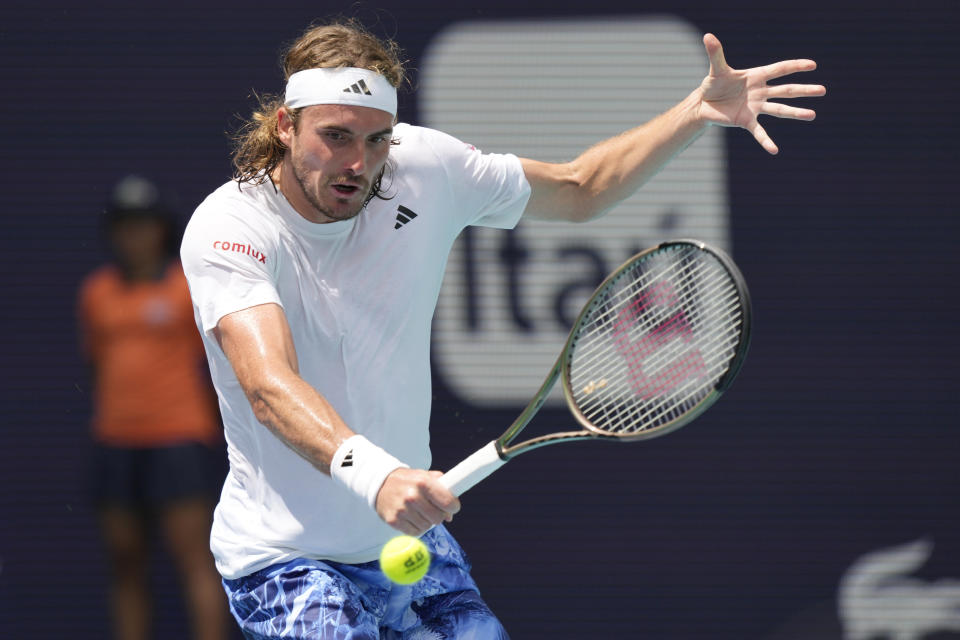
657 343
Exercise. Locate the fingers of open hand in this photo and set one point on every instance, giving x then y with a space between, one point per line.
787 91
785 68
778 110
718 62
795 91
760 135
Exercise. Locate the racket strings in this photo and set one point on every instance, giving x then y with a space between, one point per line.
724 343
639 285
661 406
714 362
694 333
592 360
604 324
632 415
701 323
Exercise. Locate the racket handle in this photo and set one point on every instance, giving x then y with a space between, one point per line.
473 469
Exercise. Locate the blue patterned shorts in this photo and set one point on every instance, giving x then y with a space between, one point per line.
325 600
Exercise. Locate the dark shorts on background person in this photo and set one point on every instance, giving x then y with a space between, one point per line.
324 600
141 478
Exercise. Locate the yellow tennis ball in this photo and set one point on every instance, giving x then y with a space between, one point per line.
405 559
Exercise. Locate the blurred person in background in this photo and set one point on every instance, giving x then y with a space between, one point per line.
155 426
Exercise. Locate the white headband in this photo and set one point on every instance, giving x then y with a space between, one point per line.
342 85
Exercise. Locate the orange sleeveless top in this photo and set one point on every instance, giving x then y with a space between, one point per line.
151 387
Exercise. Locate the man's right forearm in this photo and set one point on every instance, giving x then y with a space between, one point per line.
309 425
259 345
300 416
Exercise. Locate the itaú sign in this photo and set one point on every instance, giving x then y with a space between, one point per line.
549 89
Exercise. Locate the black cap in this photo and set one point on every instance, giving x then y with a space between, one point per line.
136 197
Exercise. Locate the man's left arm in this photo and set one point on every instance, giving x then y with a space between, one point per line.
612 170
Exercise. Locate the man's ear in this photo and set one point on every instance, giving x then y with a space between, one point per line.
285 126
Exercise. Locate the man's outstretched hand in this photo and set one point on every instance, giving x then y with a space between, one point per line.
735 98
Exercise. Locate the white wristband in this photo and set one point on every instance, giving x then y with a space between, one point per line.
362 467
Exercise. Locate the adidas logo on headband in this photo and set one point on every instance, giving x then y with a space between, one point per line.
358 87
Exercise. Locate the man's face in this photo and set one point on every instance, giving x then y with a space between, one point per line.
333 159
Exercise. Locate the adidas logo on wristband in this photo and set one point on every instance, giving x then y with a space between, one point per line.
362 466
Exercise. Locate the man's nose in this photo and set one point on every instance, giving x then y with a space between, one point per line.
356 161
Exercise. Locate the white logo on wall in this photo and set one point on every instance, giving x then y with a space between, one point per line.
879 599
548 90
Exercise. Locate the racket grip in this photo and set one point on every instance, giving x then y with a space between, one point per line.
473 469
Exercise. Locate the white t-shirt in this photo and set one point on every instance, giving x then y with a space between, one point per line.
359 296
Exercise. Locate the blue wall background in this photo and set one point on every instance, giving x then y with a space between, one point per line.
838 438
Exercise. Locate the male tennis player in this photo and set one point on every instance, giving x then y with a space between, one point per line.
314 275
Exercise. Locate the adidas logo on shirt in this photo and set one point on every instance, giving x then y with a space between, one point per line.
358 87
404 216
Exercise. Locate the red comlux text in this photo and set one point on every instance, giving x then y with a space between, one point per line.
239 247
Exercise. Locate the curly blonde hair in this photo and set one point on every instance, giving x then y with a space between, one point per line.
257 147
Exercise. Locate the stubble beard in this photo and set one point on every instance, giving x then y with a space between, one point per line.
313 197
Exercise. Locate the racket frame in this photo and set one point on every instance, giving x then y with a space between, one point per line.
561 369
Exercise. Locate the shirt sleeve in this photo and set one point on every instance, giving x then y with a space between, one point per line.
229 262
489 188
